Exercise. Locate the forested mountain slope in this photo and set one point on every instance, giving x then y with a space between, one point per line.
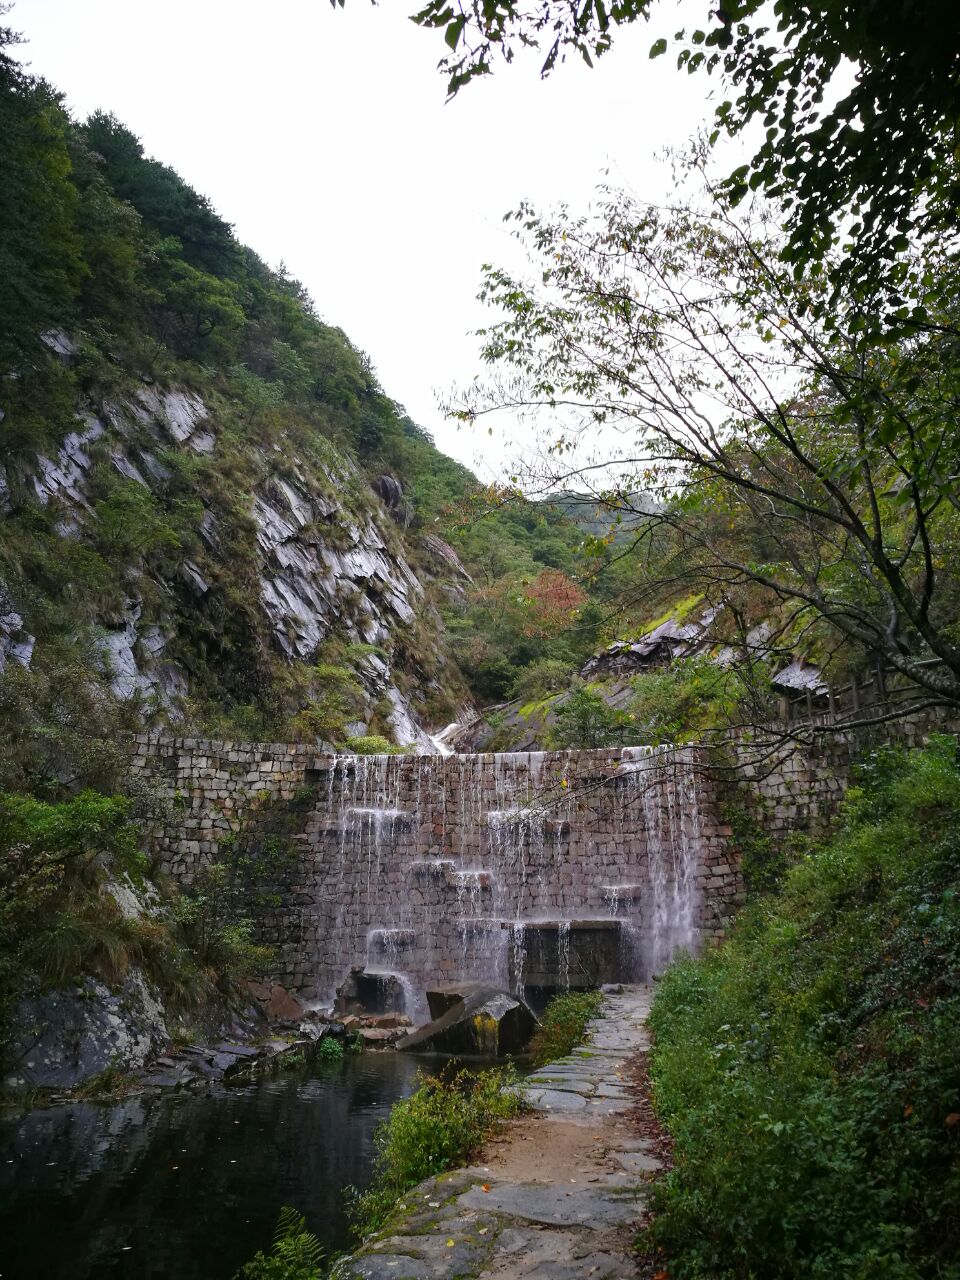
211 514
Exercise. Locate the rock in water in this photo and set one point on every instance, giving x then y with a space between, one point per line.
447 994
486 1021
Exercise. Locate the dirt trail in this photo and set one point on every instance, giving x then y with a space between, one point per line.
560 1192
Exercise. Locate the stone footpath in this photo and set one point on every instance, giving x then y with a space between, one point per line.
561 1192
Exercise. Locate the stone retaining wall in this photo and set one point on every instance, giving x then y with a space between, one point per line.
791 786
429 866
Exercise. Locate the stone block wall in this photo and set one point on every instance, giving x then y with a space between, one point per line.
796 786
430 866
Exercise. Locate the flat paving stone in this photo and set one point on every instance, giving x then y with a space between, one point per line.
618 1090
555 1100
636 1161
555 1204
550 1227
541 1254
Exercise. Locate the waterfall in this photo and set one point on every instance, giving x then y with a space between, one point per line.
555 868
518 949
670 799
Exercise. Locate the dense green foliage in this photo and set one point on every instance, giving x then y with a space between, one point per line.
51 857
564 1024
61 921
685 700
808 1071
527 607
438 1127
212 916
585 719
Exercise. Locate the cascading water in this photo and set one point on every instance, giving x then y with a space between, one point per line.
491 867
386 948
518 953
671 809
563 954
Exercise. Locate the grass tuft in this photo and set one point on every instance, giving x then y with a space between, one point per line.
564 1024
441 1125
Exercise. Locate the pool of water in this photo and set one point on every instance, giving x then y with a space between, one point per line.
188 1186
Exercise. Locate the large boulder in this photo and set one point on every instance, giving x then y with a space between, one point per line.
276 1002
485 1022
446 994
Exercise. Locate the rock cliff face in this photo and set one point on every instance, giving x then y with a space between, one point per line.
237 562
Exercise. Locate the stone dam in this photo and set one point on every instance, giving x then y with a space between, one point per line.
535 871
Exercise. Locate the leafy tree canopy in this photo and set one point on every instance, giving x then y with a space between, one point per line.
810 463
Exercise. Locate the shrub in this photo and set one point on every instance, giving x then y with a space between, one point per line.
209 915
329 1049
59 726
586 720
129 524
53 924
337 696
692 696
564 1024
548 675
58 921
439 1126
373 744
808 1071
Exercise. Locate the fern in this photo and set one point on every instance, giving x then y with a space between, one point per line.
296 1254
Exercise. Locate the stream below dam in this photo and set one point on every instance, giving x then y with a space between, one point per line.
189 1185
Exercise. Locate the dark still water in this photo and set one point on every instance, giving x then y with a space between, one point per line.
188 1186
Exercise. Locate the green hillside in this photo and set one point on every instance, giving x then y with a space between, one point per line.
212 516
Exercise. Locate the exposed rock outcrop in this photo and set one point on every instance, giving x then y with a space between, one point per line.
59 1039
322 543
16 644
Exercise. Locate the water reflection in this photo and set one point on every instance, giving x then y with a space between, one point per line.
188 1186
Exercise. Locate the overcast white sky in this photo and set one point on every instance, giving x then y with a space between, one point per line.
323 136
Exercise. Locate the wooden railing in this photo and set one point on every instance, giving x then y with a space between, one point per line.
878 694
